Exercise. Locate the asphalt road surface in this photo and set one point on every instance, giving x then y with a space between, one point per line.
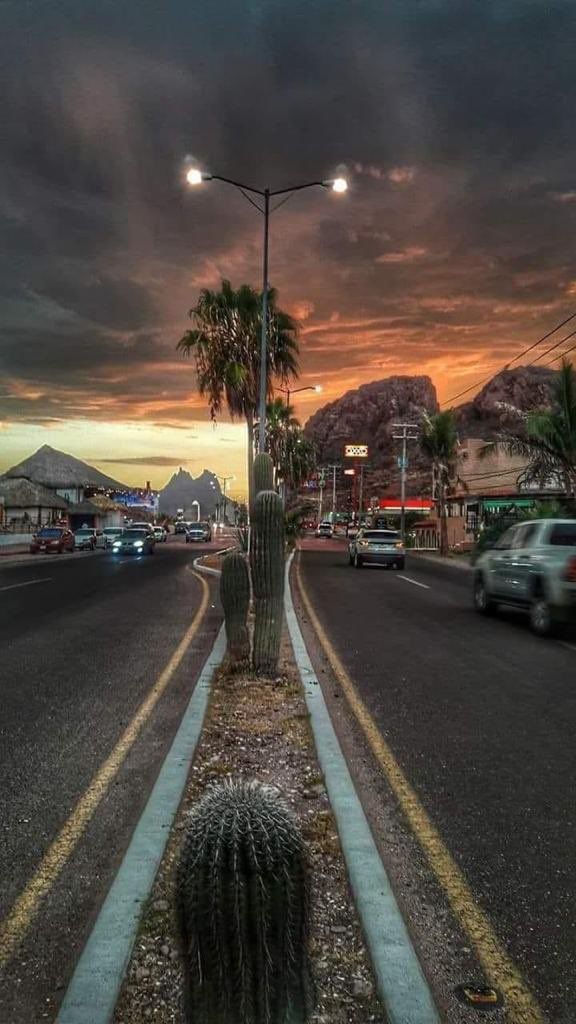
481 716
83 640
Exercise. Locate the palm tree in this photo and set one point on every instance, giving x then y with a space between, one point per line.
279 422
439 441
548 438
299 459
225 343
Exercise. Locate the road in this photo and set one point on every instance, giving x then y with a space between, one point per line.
84 639
481 717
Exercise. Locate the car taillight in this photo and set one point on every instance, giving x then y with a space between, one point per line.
570 572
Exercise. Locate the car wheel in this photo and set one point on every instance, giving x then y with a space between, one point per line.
541 617
358 562
483 603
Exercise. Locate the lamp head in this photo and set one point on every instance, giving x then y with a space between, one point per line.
339 185
194 176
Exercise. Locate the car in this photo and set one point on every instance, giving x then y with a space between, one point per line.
377 547
160 534
198 532
325 529
55 539
141 526
531 566
134 542
110 534
85 538
180 526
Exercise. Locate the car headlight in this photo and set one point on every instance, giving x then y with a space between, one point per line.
138 544
116 544
363 543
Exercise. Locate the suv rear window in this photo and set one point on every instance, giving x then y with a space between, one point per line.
50 531
386 536
563 535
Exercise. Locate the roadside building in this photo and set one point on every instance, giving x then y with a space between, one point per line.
28 505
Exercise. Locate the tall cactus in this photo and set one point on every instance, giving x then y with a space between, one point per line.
243 909
263 473
235 597
267 563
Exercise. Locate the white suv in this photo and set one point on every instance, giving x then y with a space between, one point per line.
532 565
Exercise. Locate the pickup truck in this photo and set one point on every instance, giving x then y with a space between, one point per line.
532 566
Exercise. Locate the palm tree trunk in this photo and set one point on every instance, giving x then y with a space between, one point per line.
443 520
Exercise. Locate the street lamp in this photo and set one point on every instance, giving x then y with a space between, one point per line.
294 391
194 177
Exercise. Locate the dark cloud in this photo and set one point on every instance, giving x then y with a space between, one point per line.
454 246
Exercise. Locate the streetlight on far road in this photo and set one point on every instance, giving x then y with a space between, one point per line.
195 177
294 391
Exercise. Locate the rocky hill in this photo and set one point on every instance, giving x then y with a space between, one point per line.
492 410
182 489
366 416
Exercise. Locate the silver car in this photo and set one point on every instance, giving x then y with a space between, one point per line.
377 547
532 566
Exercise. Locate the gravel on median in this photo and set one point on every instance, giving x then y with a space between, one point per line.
259 729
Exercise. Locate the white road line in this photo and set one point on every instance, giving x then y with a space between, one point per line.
28 583
415 582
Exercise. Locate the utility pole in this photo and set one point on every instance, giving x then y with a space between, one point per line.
361 495
321 481
334 467
405 436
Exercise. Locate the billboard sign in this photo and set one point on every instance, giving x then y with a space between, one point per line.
356 451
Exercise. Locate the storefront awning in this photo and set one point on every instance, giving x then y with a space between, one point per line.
495 504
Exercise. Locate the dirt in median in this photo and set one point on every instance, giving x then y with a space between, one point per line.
260 729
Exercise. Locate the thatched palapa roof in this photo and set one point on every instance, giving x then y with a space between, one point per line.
21 493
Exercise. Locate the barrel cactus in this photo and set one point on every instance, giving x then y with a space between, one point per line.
235 597
267 563
243 909
263 473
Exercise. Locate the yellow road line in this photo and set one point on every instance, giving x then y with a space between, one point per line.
15 925
521 1007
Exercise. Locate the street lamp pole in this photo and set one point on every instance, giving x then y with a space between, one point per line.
294 391
195 176
264 332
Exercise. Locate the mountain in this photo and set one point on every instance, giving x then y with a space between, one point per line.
492 409
366 416
53 468
182 489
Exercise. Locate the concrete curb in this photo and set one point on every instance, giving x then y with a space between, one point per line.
93 992
401 982
197 563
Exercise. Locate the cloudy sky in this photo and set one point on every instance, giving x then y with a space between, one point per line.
452 251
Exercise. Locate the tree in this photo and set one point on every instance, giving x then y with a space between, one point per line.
439 441
300 459
547 439
279 422
225 344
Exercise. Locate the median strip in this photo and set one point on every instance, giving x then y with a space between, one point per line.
14 927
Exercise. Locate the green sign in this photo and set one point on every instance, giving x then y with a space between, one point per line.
494 505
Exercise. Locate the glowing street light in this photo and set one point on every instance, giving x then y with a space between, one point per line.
194 177
294 391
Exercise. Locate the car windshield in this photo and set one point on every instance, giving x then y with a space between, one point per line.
50 531
563 535
135 535
386 536
112 531
84 533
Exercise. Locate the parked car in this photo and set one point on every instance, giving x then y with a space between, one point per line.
533 566
141 526
55 539
325 529
110 534
198 532
377 547
180 526
134 542
160 534
85 539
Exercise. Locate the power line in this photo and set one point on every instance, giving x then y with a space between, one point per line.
513 360
560 356
552 347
